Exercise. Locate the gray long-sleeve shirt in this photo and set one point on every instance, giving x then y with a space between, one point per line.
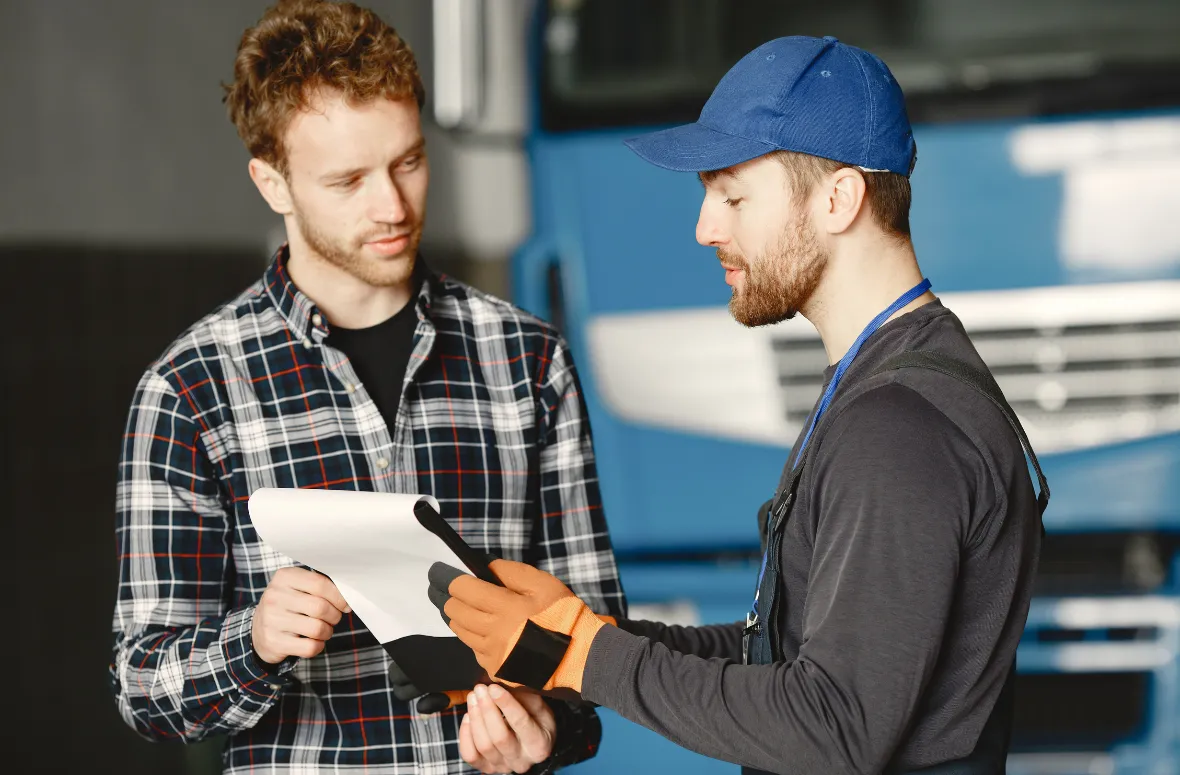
907 564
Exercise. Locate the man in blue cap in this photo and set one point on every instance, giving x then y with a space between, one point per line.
903 539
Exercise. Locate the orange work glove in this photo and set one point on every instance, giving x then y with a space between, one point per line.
533 631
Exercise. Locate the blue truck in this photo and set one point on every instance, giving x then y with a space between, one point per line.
1047 213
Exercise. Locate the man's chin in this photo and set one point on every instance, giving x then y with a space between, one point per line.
381 273
757 318
385 276
741 314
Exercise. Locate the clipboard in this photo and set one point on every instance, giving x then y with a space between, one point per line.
447 664
442 664
477 562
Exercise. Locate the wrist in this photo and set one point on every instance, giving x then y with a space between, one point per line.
572 666
549 650
264 661
242 660
578 736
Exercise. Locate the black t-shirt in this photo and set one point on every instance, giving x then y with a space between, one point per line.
380 354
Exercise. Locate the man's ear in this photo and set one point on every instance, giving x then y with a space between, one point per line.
844 198
272 185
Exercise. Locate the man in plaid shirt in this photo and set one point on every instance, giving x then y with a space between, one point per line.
349 365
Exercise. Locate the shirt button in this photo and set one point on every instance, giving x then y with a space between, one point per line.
349 387
307 342
382 463
316 320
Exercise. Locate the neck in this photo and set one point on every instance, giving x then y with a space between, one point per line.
344 299
856 287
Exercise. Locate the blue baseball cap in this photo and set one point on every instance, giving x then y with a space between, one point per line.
811 95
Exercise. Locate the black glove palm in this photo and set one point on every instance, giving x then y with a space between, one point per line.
436 702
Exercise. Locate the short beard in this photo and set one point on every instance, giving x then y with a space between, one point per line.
380 274
780 281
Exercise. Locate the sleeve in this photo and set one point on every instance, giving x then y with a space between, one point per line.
570 538
183 662
894 486
723 641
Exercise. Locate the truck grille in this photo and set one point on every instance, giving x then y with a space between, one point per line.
1075 379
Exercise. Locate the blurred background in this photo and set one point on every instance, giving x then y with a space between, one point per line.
1046 212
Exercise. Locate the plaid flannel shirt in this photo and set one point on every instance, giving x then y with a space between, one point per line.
491 423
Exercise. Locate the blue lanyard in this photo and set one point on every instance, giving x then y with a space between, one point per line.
826 400
849 356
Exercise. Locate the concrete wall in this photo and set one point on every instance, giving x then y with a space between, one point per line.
114 133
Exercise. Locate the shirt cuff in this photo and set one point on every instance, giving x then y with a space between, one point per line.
579 733
610 666
242 662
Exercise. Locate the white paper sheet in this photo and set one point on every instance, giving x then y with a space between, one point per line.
369 543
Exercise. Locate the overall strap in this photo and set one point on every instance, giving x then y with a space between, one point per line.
984 384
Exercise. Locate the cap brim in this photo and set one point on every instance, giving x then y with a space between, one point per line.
696 148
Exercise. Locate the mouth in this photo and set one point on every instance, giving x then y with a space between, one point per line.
731 274
390 246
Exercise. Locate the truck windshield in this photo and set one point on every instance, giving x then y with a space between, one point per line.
621 62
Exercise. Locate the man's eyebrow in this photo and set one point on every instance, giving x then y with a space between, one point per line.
712 175
417 147
343 174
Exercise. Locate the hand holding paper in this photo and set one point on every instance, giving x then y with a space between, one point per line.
370 544
296 615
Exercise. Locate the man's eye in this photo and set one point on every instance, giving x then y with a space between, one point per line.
732 202
412 162
346 184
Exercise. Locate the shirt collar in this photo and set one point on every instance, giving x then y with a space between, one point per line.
303 316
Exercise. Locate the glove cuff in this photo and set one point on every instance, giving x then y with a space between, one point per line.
573 665
551 649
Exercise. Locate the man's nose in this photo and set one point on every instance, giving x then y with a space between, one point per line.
387 205
709 232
